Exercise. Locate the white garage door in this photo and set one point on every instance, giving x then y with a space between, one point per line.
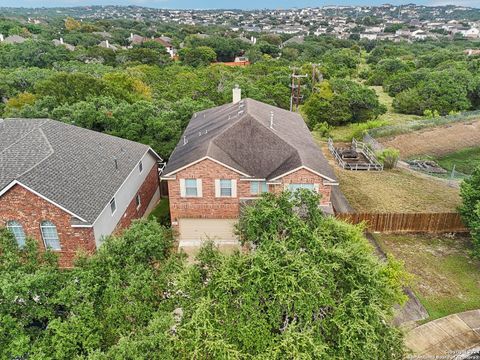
196 230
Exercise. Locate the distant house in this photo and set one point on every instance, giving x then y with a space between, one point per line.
60 42
162 40
13 39
231 154
106 44
368 36
68 187
300 39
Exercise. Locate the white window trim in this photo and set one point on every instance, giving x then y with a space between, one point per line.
183 189
115 203
17 225
218 193
43 235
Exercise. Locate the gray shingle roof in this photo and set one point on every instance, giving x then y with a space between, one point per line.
239 135
71 166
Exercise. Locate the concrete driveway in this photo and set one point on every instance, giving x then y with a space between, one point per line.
452 337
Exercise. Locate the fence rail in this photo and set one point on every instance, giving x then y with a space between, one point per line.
372 163
407 222
414 125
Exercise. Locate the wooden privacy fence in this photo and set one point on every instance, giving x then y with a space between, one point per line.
408 222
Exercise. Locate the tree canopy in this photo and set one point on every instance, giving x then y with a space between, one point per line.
310 287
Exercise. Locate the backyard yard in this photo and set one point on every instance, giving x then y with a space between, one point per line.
446 279
396 191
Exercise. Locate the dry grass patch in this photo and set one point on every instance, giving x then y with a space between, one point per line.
396 191
436 141
446 279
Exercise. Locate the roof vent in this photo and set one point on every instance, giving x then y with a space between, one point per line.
240 112
116 163
185 141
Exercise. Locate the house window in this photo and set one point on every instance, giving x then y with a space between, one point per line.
140 166
226 188
258 187
191 187
295 187
50 235
138 200
113 206
17 230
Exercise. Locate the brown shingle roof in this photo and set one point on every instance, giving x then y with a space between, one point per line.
239 135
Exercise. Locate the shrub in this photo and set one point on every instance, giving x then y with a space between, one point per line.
388 157
323 129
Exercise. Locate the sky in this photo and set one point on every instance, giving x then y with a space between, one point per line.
215 4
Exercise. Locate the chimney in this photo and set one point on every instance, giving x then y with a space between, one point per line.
61 40
237 94
1 37
107 45
131 35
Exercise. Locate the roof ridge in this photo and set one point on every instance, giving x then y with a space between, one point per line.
239 117
24 135
52 151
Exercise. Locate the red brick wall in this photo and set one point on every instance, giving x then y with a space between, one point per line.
30 210
208 206
146 191
304 176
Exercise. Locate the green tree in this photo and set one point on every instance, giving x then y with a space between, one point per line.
199 56
470 207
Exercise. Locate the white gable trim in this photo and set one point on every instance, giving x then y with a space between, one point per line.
16 182
201 159
331 181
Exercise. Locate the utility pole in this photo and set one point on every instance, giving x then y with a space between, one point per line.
296 86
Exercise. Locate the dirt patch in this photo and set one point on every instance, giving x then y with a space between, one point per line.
436 141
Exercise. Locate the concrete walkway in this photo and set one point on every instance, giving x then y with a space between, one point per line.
452 337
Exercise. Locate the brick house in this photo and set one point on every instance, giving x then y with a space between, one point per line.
68 187
228 156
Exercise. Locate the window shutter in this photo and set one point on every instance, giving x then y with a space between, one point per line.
217 187
182 187
199 188
234 188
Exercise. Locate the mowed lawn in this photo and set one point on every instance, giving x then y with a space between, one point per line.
465 160
446 279
396 191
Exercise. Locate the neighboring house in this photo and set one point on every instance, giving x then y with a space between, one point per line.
68 187
13 39
162 40
106 44
60 42
296 40
229 155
